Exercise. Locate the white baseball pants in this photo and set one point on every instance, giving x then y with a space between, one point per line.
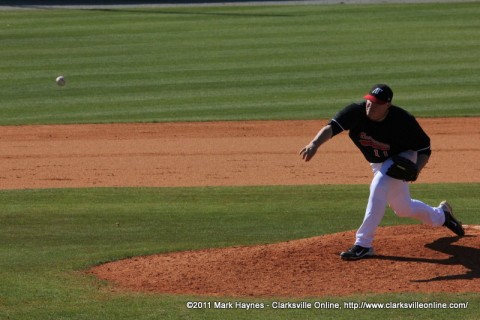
384 191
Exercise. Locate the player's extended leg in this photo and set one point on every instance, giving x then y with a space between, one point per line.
404 206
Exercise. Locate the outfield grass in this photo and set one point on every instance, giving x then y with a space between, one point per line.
230 63
48 237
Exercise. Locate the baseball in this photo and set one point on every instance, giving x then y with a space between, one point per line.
60 80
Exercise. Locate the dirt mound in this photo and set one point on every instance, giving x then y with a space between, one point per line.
412 258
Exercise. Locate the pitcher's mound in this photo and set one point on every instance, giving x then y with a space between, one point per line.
411 258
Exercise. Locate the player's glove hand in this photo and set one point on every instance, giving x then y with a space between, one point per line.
403 169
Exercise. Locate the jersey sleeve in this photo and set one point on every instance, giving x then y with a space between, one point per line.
345 118
419 140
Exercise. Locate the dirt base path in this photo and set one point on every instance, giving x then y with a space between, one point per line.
212 154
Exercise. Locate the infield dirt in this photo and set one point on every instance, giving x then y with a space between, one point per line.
409 258
212 154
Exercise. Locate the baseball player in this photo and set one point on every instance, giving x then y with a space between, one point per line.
397 148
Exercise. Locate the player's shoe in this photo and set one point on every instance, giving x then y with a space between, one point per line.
356 252
450 221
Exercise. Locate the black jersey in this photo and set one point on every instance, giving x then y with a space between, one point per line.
378 141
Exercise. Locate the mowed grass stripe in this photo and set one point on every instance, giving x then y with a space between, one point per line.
188 64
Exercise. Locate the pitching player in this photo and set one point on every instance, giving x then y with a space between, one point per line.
397 148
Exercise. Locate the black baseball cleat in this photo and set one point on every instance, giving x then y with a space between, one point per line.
356 252
450 221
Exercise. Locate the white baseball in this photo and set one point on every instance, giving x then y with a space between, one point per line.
60 80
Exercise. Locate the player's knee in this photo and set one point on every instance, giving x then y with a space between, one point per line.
404 210
403 213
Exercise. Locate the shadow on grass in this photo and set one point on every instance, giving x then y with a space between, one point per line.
122 2
110 6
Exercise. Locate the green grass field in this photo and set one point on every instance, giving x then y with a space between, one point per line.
49 237
213 63
229 63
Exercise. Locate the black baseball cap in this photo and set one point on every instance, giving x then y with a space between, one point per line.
380 93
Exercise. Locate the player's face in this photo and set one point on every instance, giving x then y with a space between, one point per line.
376 111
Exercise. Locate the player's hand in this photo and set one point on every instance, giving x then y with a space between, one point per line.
308 151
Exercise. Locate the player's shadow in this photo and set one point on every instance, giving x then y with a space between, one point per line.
459 255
